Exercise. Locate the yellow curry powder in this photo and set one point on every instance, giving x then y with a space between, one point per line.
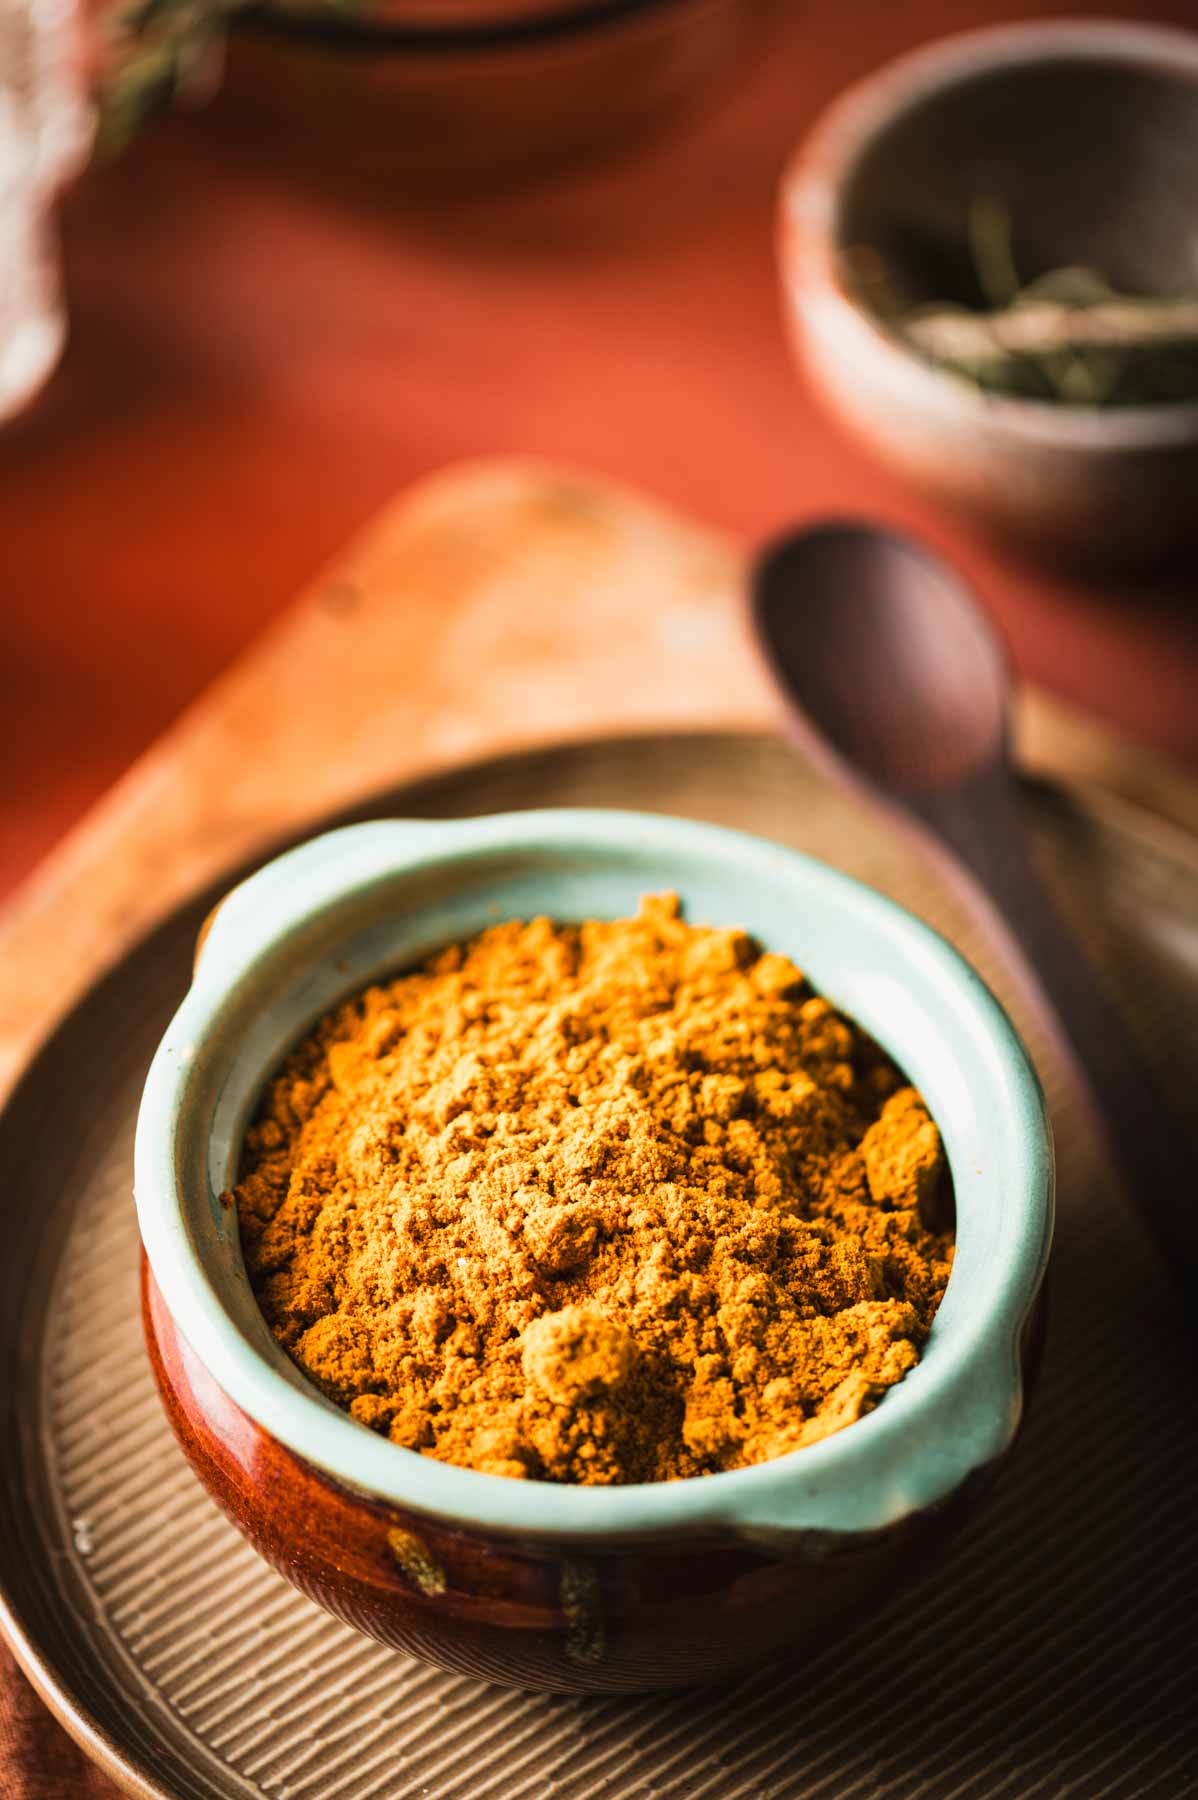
618 1202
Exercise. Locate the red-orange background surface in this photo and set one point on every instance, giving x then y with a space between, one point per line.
256 366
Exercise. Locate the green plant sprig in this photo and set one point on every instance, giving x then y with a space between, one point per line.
1067 336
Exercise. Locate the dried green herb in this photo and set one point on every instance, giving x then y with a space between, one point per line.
164 50
1067 336
159 50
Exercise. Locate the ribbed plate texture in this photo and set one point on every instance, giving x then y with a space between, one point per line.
1052 1654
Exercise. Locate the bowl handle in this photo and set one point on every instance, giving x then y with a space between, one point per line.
209 920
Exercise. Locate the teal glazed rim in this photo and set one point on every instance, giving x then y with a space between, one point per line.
324 920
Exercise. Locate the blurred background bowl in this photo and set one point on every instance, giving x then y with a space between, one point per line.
1085 135
416 97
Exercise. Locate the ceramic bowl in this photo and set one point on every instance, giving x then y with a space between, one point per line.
1086 134
530 1583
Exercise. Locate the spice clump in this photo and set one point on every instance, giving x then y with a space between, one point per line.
604 1203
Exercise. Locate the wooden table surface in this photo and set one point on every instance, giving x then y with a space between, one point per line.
257 365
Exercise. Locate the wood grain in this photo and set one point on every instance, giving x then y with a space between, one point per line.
498 605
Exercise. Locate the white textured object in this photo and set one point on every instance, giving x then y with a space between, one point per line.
45 131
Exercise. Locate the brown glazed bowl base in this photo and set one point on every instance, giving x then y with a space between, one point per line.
608 1617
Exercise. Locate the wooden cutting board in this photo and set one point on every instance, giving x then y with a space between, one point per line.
499 605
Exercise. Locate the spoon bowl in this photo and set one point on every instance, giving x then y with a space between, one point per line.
902 676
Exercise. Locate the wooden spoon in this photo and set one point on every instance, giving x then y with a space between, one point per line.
896 683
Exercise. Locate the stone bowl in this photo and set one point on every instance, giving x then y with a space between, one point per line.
1086 134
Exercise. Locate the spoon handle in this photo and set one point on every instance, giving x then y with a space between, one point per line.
979 822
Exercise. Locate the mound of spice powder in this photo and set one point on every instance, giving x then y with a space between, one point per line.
617 1202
